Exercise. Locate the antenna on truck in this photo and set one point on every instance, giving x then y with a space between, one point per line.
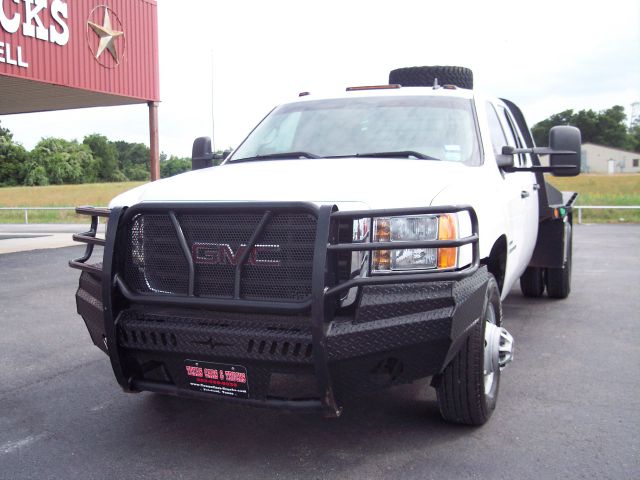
213 125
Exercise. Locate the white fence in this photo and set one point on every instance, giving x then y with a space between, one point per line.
602 207
28 209
579 208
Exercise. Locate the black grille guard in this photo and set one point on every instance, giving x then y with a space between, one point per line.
89 237
326 247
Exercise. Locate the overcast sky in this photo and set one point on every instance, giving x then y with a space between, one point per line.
546 56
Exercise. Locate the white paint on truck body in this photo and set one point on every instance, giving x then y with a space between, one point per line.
375 183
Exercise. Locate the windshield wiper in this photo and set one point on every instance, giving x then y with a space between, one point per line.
400 154
275 156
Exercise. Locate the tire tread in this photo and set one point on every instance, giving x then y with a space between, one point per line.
460 390
424 76
532 282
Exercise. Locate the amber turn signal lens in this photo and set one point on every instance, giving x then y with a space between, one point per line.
381 233
447 257
382 230
382 260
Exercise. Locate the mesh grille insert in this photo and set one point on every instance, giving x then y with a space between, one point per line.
155 262
278 268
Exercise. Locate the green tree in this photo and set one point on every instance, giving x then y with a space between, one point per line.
634 137
63 161
37 176
174 166
587 121
106 155
5 133
13 160
540 130
606 127
612 129
133 159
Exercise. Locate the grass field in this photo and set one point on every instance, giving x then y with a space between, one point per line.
604 190
95 194
593 189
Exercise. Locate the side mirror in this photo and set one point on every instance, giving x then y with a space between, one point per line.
565 138
505 160
201 154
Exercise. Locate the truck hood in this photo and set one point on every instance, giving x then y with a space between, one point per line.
351 183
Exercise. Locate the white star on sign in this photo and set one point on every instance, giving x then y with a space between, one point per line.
107 37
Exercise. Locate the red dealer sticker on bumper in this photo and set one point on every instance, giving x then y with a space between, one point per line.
217 378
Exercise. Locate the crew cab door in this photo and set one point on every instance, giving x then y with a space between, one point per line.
520 192
527 183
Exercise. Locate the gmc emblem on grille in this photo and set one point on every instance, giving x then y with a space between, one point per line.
223 254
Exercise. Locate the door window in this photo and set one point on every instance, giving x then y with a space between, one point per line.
498 137
514 136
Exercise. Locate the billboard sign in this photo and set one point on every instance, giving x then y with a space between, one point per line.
107 52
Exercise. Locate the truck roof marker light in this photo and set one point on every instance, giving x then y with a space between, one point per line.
447 230
374 87
449 87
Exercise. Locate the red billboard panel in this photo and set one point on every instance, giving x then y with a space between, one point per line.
75 53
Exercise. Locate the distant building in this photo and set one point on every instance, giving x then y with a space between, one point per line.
599 159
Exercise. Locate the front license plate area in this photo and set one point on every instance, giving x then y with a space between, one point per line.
217 378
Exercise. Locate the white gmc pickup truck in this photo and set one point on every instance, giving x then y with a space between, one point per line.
350 243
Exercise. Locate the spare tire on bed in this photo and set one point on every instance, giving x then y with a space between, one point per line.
425 76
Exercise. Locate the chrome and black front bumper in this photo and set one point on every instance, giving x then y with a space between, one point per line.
310 354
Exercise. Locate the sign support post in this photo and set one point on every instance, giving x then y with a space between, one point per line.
154 141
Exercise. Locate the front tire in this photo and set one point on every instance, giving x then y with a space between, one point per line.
467 390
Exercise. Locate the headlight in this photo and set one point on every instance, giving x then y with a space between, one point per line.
411 229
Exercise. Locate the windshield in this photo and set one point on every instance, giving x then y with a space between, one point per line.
434 127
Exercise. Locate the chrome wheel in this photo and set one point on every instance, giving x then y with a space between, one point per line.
491 349
498 349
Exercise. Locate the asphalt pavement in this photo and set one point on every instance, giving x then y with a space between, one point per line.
569 404
26 237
